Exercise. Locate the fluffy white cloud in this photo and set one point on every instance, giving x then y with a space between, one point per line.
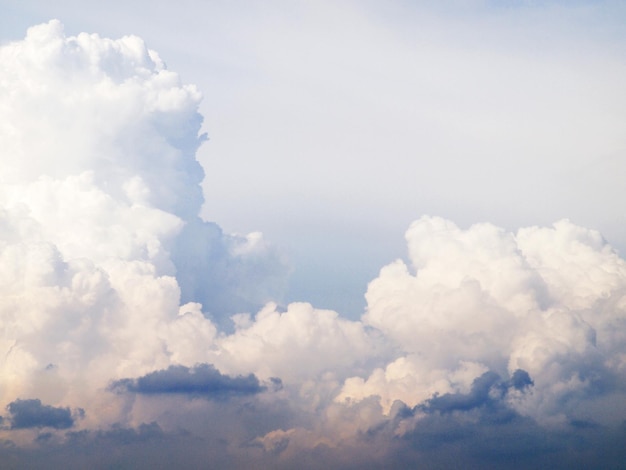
549 301
101 240
84 103
116 298
299 345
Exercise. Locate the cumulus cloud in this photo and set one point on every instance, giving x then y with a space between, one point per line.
483 299
116 298
105 264
33 414
100 143
201 380
299 344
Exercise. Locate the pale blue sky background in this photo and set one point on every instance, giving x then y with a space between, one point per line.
333 125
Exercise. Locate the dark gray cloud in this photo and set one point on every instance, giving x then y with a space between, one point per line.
477 429
202 380
487 390
479 395
120 435
520 380
479 439
142 447
466 438
480 430
33 414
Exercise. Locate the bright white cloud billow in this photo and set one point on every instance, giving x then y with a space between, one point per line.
101 238
549 301
132 330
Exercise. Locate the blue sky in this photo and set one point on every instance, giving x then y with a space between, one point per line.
397 201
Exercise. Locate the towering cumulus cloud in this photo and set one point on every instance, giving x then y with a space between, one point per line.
133 331
100 238
546 301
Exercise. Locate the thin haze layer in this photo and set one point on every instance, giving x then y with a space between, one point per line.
489 349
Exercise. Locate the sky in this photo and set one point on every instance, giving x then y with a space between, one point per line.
312 234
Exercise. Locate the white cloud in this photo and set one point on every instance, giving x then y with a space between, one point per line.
100 202
299 345
107 274
545 300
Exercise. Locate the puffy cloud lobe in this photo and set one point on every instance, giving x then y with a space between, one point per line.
114 108
299 344
33 414
467 283
201 380
409 379
549 301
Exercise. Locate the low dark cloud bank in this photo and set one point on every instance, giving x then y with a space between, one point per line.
476 430
32 413
202 380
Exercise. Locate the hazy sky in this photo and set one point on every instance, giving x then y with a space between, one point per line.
414 211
